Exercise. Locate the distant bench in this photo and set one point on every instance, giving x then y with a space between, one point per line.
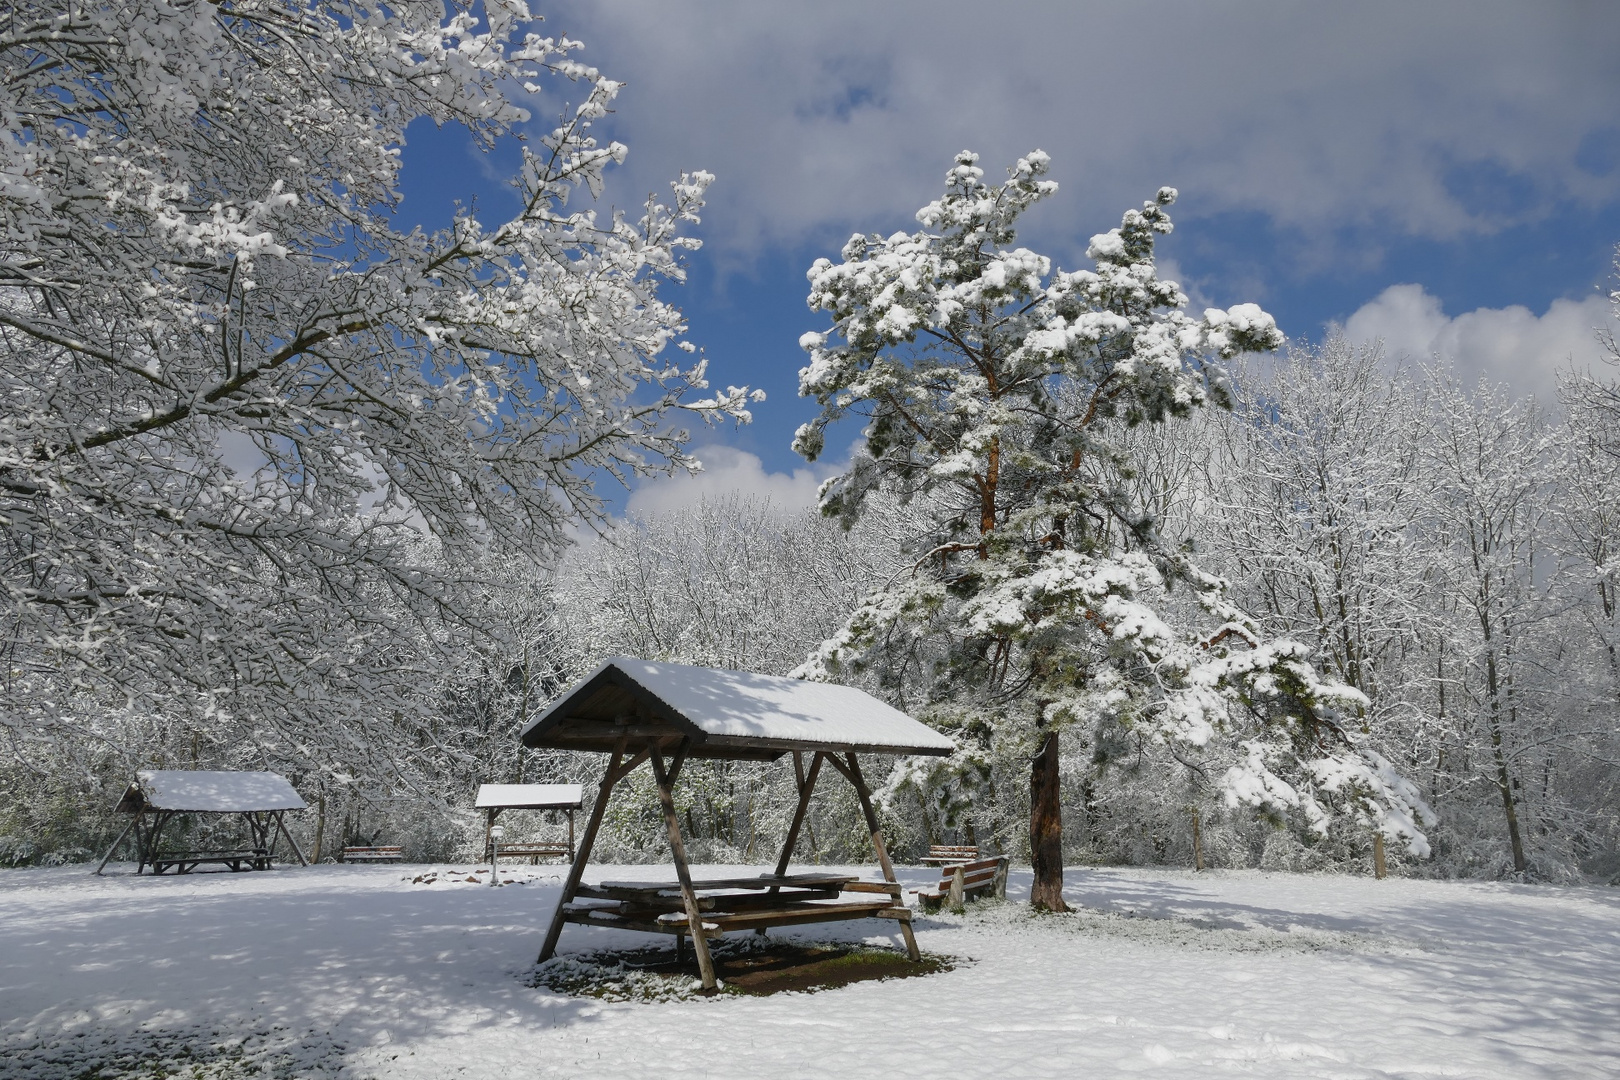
947 854
372 854
184 862
960 881
535 852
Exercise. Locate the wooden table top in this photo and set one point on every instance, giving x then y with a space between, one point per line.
763 881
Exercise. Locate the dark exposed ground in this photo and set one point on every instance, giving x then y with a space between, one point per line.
750 966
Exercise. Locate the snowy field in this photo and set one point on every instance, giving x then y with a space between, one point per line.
357 971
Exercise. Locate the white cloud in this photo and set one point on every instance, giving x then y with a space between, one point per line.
729 471
1510 345
1429 119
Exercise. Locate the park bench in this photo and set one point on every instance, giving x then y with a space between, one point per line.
948 854
534 852
372 854
960 881
184 862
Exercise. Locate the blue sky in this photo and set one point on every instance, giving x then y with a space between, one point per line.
1445 176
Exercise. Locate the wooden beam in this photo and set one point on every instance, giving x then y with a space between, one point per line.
807 784
678 761
610 777
115 843
281 824
630 766
841 767
854 774
677 849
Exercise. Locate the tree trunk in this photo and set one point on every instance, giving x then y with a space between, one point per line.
320 826
523 716
1046 828
1504 783
1504 780
1198 841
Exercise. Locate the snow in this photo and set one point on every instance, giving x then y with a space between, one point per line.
183 789
529 796
358 971
741 704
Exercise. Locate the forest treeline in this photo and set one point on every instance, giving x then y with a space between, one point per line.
287 485
1442 546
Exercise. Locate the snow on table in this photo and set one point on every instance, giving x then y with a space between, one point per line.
1166 974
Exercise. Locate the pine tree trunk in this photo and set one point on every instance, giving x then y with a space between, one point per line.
1046 828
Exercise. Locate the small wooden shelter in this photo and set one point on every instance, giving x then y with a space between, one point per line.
644 711
493 798
157 796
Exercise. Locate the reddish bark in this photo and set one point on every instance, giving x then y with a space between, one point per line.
1046 828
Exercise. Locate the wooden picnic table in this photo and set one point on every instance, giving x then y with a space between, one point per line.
664 714
741 903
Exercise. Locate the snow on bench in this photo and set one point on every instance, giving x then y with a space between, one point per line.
948 854
534 852
372 854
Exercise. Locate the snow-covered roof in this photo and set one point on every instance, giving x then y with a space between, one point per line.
726 713
529 796
224 792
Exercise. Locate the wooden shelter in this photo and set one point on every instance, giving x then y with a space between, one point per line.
664 714
494 798
157 796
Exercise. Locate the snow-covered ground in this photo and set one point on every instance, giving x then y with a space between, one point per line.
359 970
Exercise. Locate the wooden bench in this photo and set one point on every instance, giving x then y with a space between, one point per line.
184 862
948 854
372 854
535 852
959 881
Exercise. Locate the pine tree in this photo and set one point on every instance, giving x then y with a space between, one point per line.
998 392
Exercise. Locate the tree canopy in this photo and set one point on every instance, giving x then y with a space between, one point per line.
1001 391
249 425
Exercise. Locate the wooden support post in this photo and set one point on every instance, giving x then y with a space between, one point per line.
854 774
134 818
154 834
140 840
615 773
1379 869
570 813
677 848
958 891
281 824
806 784
489 834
